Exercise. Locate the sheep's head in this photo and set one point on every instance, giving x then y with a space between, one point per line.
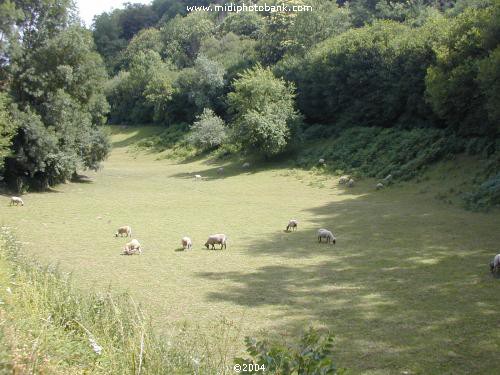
492 267
206 244
116 234
334 240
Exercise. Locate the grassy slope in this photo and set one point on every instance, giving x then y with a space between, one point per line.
407 287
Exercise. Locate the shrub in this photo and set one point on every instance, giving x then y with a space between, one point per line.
312 355
208 131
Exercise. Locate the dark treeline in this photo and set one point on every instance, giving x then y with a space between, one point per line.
251 80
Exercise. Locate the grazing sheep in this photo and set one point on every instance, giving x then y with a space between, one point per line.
321 161
16 201
350 183
132 247
186 243
292 224
344 180
197 177
379 186
217 239
125 230
246 165
495 264
324 233
220 170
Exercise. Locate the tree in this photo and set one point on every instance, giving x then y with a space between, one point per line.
263 110
234 53
57 87
108 39
182 37
140 95
208 131
368 76
7 127
145 40
248 24
461 84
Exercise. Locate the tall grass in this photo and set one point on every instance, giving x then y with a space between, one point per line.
50 327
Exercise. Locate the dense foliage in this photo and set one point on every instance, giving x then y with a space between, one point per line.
7 128
312 354
208 131
55 81
263 110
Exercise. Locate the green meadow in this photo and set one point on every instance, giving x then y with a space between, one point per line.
406 289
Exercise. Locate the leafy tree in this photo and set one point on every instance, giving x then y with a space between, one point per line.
368 76
234 53
140 95
208 131
460 86
182 37
145 40
248 24
7 127
135 17
108 39
289 32
58 89
489 83
263 109
10 16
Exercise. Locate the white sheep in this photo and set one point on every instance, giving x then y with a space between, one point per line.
321 161
350 183
344 180
16 201
216 239
186 243
325 233
132 247
292 224
125 230
379 186
220 170
246 165
197 177
495 264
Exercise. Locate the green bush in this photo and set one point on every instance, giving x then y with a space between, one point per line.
208 132
312 355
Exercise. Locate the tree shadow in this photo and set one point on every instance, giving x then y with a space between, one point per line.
132 134
400 288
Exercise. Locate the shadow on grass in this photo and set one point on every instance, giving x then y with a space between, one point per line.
133 134
402 289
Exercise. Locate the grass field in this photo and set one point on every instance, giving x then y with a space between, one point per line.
406 289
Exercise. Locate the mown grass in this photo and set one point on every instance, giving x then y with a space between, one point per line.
407 288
